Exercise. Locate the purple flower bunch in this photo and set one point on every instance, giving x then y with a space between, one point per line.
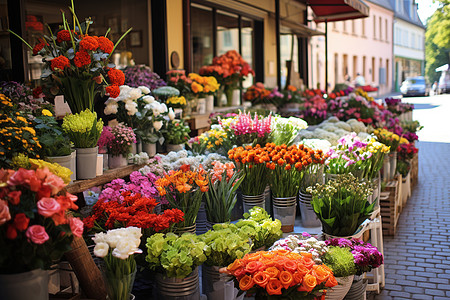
105 138
142 75
348 155
392 101
410 136
366 256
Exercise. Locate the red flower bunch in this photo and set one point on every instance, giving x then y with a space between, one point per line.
406 151
39 46
281 272
116 77
60 63
308 93
82 58
64 35
89 43
257 93
35 226
133 210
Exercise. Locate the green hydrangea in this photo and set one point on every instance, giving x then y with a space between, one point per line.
83 128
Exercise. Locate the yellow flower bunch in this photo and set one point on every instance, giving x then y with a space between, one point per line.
176 101
364 94
83 128
60 171
46 112
387 137
374 146
5 101
403 141
213 138
203 84
21 161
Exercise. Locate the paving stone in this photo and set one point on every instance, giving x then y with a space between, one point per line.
434 292
396 295
413 290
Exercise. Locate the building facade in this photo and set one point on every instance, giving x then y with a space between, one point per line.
409 42
363 46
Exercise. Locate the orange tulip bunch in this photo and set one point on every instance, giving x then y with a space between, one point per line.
281 272
183 189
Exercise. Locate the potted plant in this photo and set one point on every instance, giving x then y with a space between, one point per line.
341 262
120 145
117 248
36 229
184 189
300 277
341 205
223 246
76 64
175 260
84 131
220 198
176 135
57 145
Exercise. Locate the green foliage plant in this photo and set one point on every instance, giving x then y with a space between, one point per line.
341 261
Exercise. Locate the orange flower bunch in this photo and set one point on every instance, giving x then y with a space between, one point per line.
280 272
256 93
183 189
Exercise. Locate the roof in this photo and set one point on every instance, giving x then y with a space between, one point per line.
383 3
401 14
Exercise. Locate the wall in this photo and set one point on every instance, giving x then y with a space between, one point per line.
403 45
355 38
175 30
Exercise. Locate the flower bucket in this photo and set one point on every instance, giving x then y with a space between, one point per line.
65 161
73 164
178 289
117 161
150 149
215 285
357 235
87 163
308 216
133 150
118 287
209 103
268 200
339 291
252 201
393 164
200 222
175 148
201 106
181 230
386 168
357 290
284 209
27 285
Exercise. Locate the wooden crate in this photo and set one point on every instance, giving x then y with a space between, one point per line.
414 170
391 205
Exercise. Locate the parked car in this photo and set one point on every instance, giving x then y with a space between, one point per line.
415 86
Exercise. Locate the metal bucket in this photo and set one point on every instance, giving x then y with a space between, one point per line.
212 281
179 289
181 230
284 209
309 217
252 201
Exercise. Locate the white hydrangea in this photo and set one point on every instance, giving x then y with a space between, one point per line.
344 126
144 89
111 108
148 99
134 94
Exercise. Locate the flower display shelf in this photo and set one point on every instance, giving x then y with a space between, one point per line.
414 170
79 186
406 189
199 123
391 204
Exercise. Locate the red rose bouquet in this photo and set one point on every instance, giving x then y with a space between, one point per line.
77 64
35 225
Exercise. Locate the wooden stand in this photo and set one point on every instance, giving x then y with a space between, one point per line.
391 205
414 170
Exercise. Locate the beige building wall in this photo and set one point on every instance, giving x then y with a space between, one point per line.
175 29
356 46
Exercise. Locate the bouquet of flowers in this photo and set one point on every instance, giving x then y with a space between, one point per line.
245 130
223 181
341 261
117 247
203 85
176 132
36 227
176 102
315 110
17 134
387 138
175 256
257 94
83 128
142 75
285 130
341 205
366 256
77 64
55 141
55 168
214 140
304 243
396 106
123 138
183 83
259 226
184 189
375 162
224 245
281 272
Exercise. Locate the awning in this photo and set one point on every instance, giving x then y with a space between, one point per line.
442 68
338 10
300 29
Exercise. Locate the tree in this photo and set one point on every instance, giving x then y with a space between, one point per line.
437 42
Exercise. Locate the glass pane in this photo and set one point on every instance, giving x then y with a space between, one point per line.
5 47
227 32
202 37
247 47
119 15
289 50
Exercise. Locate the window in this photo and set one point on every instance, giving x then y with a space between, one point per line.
363 27
289 49
405 38
336 68
413 41
386 28
364 67
345 65
355 66
374 27
227 32
344 26
387 72
373 69
202 36
381 31
353 27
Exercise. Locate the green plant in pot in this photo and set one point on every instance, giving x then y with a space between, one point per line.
176 133
341 205
54 140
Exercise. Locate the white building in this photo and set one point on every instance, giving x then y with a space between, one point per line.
409 41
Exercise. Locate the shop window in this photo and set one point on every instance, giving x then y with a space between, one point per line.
5 47
202 36
289 52
227 32
118 15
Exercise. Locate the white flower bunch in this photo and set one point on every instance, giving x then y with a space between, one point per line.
317 144
122 242
174 160
303 243
141 158
357 126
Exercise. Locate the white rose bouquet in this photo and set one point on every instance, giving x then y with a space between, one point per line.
117 247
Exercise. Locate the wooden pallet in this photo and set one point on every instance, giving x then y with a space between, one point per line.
414 170
391 205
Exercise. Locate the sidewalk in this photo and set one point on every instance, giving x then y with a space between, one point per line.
416 258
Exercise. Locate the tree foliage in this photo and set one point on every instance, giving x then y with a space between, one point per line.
437 42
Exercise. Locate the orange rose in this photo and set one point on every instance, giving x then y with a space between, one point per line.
308 284
246 283
320 273
331 281
290 266
298 277
261 279
308 262
302 269
286 279
253 256
239 272
272 272
253 266
234 265
274 286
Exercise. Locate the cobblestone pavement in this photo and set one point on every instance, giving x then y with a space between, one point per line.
417 263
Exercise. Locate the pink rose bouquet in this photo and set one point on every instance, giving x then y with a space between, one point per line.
36 227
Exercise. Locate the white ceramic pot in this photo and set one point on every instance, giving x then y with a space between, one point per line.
150 149
87 163
117 161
